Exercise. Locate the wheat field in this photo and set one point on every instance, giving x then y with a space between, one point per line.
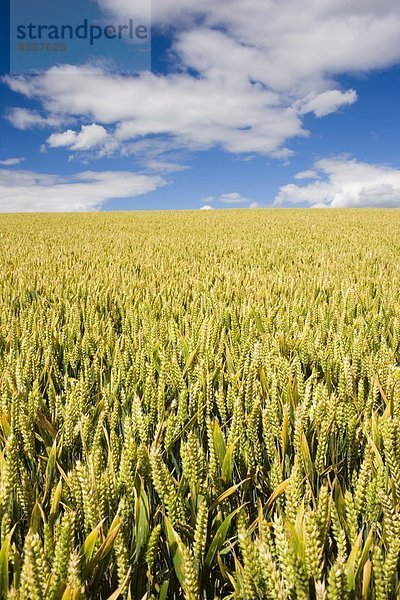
200 405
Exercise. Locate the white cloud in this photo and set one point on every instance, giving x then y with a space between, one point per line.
328 102
27 191
346 183
88 137
163 166
228 198
23 118
232 198
254 205
311 174
245 74
64 139
206 207
11 162
195 113
284 45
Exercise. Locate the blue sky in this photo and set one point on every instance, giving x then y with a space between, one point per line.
245 105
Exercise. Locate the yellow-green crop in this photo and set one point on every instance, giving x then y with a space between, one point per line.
200 405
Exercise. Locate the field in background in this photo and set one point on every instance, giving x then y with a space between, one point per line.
200 405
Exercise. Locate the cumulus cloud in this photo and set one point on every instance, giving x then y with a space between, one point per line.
206 207
345 183
254 205
27 191
11 162
325 38
232 198
196 113
228 198
88 137
245 74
